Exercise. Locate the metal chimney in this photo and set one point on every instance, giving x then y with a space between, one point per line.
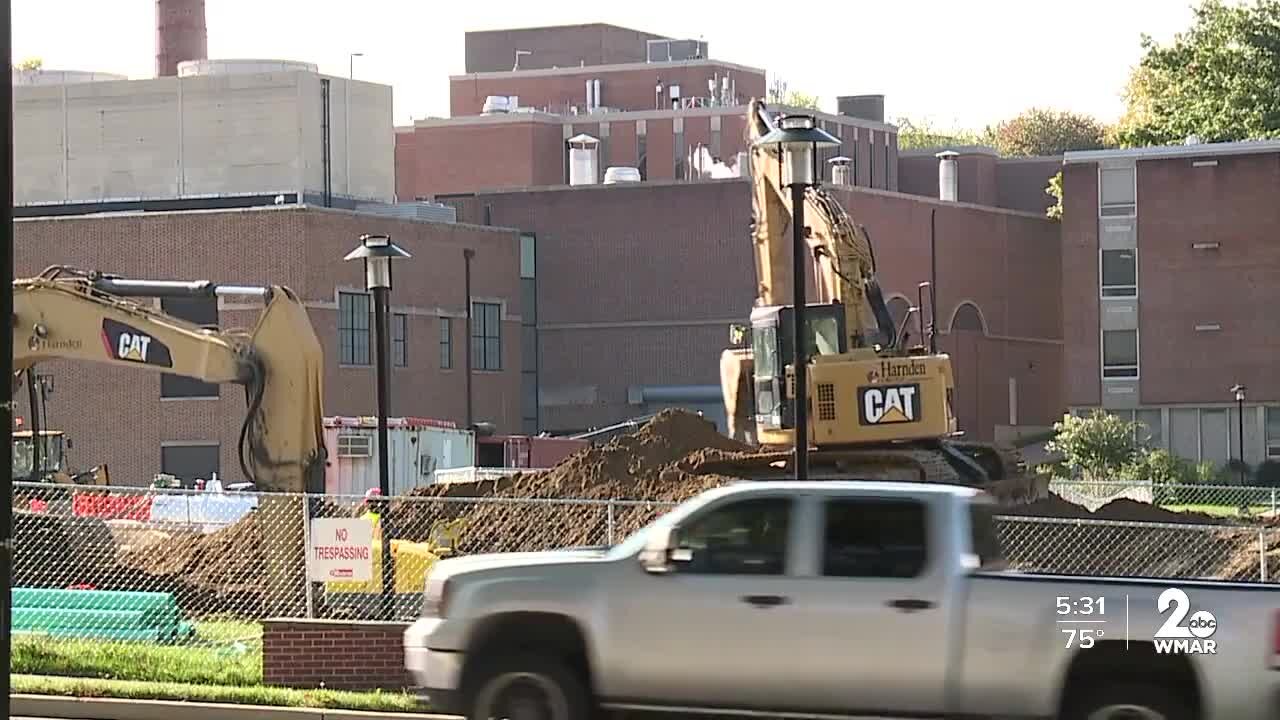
840 167
181 34
948 176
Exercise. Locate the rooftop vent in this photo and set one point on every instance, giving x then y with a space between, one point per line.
616 175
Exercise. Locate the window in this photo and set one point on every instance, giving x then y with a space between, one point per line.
1117 192
1273 432
1119 354
353 329
446 343
203 312
748 537
874 538
486 336
352 445
190 462
400 340
1119 273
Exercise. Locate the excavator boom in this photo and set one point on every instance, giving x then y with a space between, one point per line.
75 315
879 408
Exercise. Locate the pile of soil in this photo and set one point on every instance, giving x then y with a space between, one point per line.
648 464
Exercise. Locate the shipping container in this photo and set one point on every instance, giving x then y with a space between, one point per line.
418 447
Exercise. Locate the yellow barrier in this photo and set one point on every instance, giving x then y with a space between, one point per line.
413 560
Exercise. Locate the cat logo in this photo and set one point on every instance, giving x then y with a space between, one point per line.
133 347
889 404
123 342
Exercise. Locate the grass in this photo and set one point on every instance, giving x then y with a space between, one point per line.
224 653
277 697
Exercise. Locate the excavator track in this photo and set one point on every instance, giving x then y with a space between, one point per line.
998 471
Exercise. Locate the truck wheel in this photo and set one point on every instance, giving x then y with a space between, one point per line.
527 687
1130 702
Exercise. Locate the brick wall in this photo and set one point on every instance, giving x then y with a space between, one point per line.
116 415
338 654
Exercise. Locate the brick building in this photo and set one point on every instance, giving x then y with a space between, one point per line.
141 423
638 284
984 178
1169 270
657 104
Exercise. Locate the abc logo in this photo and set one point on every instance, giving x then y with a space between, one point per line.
1202 624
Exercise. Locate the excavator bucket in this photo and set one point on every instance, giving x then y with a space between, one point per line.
285 429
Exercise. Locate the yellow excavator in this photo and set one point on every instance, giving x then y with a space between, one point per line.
879 407
69 314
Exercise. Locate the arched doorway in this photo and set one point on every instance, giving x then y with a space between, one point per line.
967 330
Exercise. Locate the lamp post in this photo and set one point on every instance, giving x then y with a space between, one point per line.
1238 390
467 255
796 140
377 252
351 65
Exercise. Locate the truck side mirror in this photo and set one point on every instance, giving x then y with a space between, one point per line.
660 550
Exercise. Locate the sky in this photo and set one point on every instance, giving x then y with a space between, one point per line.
954 64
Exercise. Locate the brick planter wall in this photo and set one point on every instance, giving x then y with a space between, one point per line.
341 654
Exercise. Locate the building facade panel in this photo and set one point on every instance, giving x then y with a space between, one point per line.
1081 317
622 87
551 47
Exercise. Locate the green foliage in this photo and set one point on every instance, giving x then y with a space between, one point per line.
1216 80
779 94
1040 131
922 133
30 64
1267 474
1054 190
1095 448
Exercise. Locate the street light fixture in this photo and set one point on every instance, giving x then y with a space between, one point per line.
377 252
351 64
796 139
1238 391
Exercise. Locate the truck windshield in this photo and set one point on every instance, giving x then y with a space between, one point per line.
983 538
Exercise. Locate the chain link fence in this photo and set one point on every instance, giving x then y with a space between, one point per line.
172 567
1227 501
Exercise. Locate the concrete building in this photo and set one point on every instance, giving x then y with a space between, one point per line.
1170 273
142 424
638 283
218 128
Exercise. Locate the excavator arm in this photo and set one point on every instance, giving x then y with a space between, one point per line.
843 259
70 314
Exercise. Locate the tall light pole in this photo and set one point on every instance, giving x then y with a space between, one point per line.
796 139
346 120
6 363
467 256
1238 391
377 252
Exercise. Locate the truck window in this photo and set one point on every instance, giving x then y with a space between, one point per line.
868 538
748 537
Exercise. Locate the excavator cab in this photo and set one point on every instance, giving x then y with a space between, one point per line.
773 352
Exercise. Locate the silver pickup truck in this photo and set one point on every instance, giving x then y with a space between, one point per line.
833 599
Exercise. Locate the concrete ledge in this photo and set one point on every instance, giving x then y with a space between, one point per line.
50 706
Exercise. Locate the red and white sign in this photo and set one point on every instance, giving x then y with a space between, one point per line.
341 549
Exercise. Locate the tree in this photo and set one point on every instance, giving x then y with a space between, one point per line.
1215 81
1039 131
918 134
1095 448
30 64
779 94
1055 191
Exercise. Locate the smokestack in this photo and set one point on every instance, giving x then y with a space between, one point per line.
948 176
181 34
840 167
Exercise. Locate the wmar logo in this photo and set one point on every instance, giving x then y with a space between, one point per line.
889 404
125 342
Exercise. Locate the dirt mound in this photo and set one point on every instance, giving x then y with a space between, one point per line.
207 572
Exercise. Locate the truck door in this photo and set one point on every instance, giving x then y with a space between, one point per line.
716 630
869 608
